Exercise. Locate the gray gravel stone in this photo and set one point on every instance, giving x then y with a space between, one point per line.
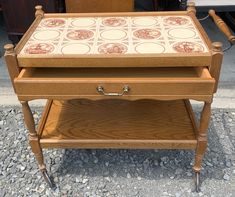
1 122
226 177
128 175
2 193
156 162
84 181
178 171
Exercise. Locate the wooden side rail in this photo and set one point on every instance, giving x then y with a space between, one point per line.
11 62
222 26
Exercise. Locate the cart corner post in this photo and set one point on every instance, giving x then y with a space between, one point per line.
34 140
11 62
202 135
33 136
39 11
191 8
216 62
202 141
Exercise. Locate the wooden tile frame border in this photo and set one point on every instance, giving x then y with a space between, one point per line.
127 60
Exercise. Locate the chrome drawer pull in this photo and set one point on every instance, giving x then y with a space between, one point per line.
125 89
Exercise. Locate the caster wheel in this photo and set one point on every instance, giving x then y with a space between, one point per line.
197 182
48 179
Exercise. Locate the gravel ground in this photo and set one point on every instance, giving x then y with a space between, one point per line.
144 173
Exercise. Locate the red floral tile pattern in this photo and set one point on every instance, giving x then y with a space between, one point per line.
112 48
188 47
114 22
116 35
80 34
53 22
176 20
147 34
39 48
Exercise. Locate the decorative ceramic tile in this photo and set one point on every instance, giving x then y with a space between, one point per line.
116 35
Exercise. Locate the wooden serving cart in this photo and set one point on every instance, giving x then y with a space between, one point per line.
117 80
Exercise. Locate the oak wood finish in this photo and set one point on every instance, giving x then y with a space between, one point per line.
80 6
222 26
202 136
125 60
33 137
139 124
44 116
11 62
39 12
143 82
140 60
191 7
191 115
216 63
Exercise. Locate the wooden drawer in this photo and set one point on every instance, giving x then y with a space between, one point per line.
164 83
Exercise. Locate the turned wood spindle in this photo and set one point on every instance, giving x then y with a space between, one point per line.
33 137
11 62
222 26
216 62
202 136
191 7
39 11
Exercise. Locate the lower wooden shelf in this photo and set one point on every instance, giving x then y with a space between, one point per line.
118 124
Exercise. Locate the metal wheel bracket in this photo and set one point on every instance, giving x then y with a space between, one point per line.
197 182
48 179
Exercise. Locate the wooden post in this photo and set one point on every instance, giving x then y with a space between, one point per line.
191 8
222 26
39 12
202 136
11 62
33 137
217 58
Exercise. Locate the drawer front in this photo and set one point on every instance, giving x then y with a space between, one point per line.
157 87
142 86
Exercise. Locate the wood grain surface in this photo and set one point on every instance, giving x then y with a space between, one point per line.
112 60
222 26
118 123
78 6
143 83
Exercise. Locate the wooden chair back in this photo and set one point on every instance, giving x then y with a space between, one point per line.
83 6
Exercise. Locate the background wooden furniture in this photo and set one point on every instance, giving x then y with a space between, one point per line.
19 14
230 19
80 6
168 5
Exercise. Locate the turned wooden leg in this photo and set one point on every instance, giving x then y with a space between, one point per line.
34 140
202 141
202 136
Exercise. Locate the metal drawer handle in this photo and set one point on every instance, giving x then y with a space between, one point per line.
125 89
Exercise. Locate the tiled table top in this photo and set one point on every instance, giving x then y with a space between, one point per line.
115 35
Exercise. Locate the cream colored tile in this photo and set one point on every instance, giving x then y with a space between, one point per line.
120 35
